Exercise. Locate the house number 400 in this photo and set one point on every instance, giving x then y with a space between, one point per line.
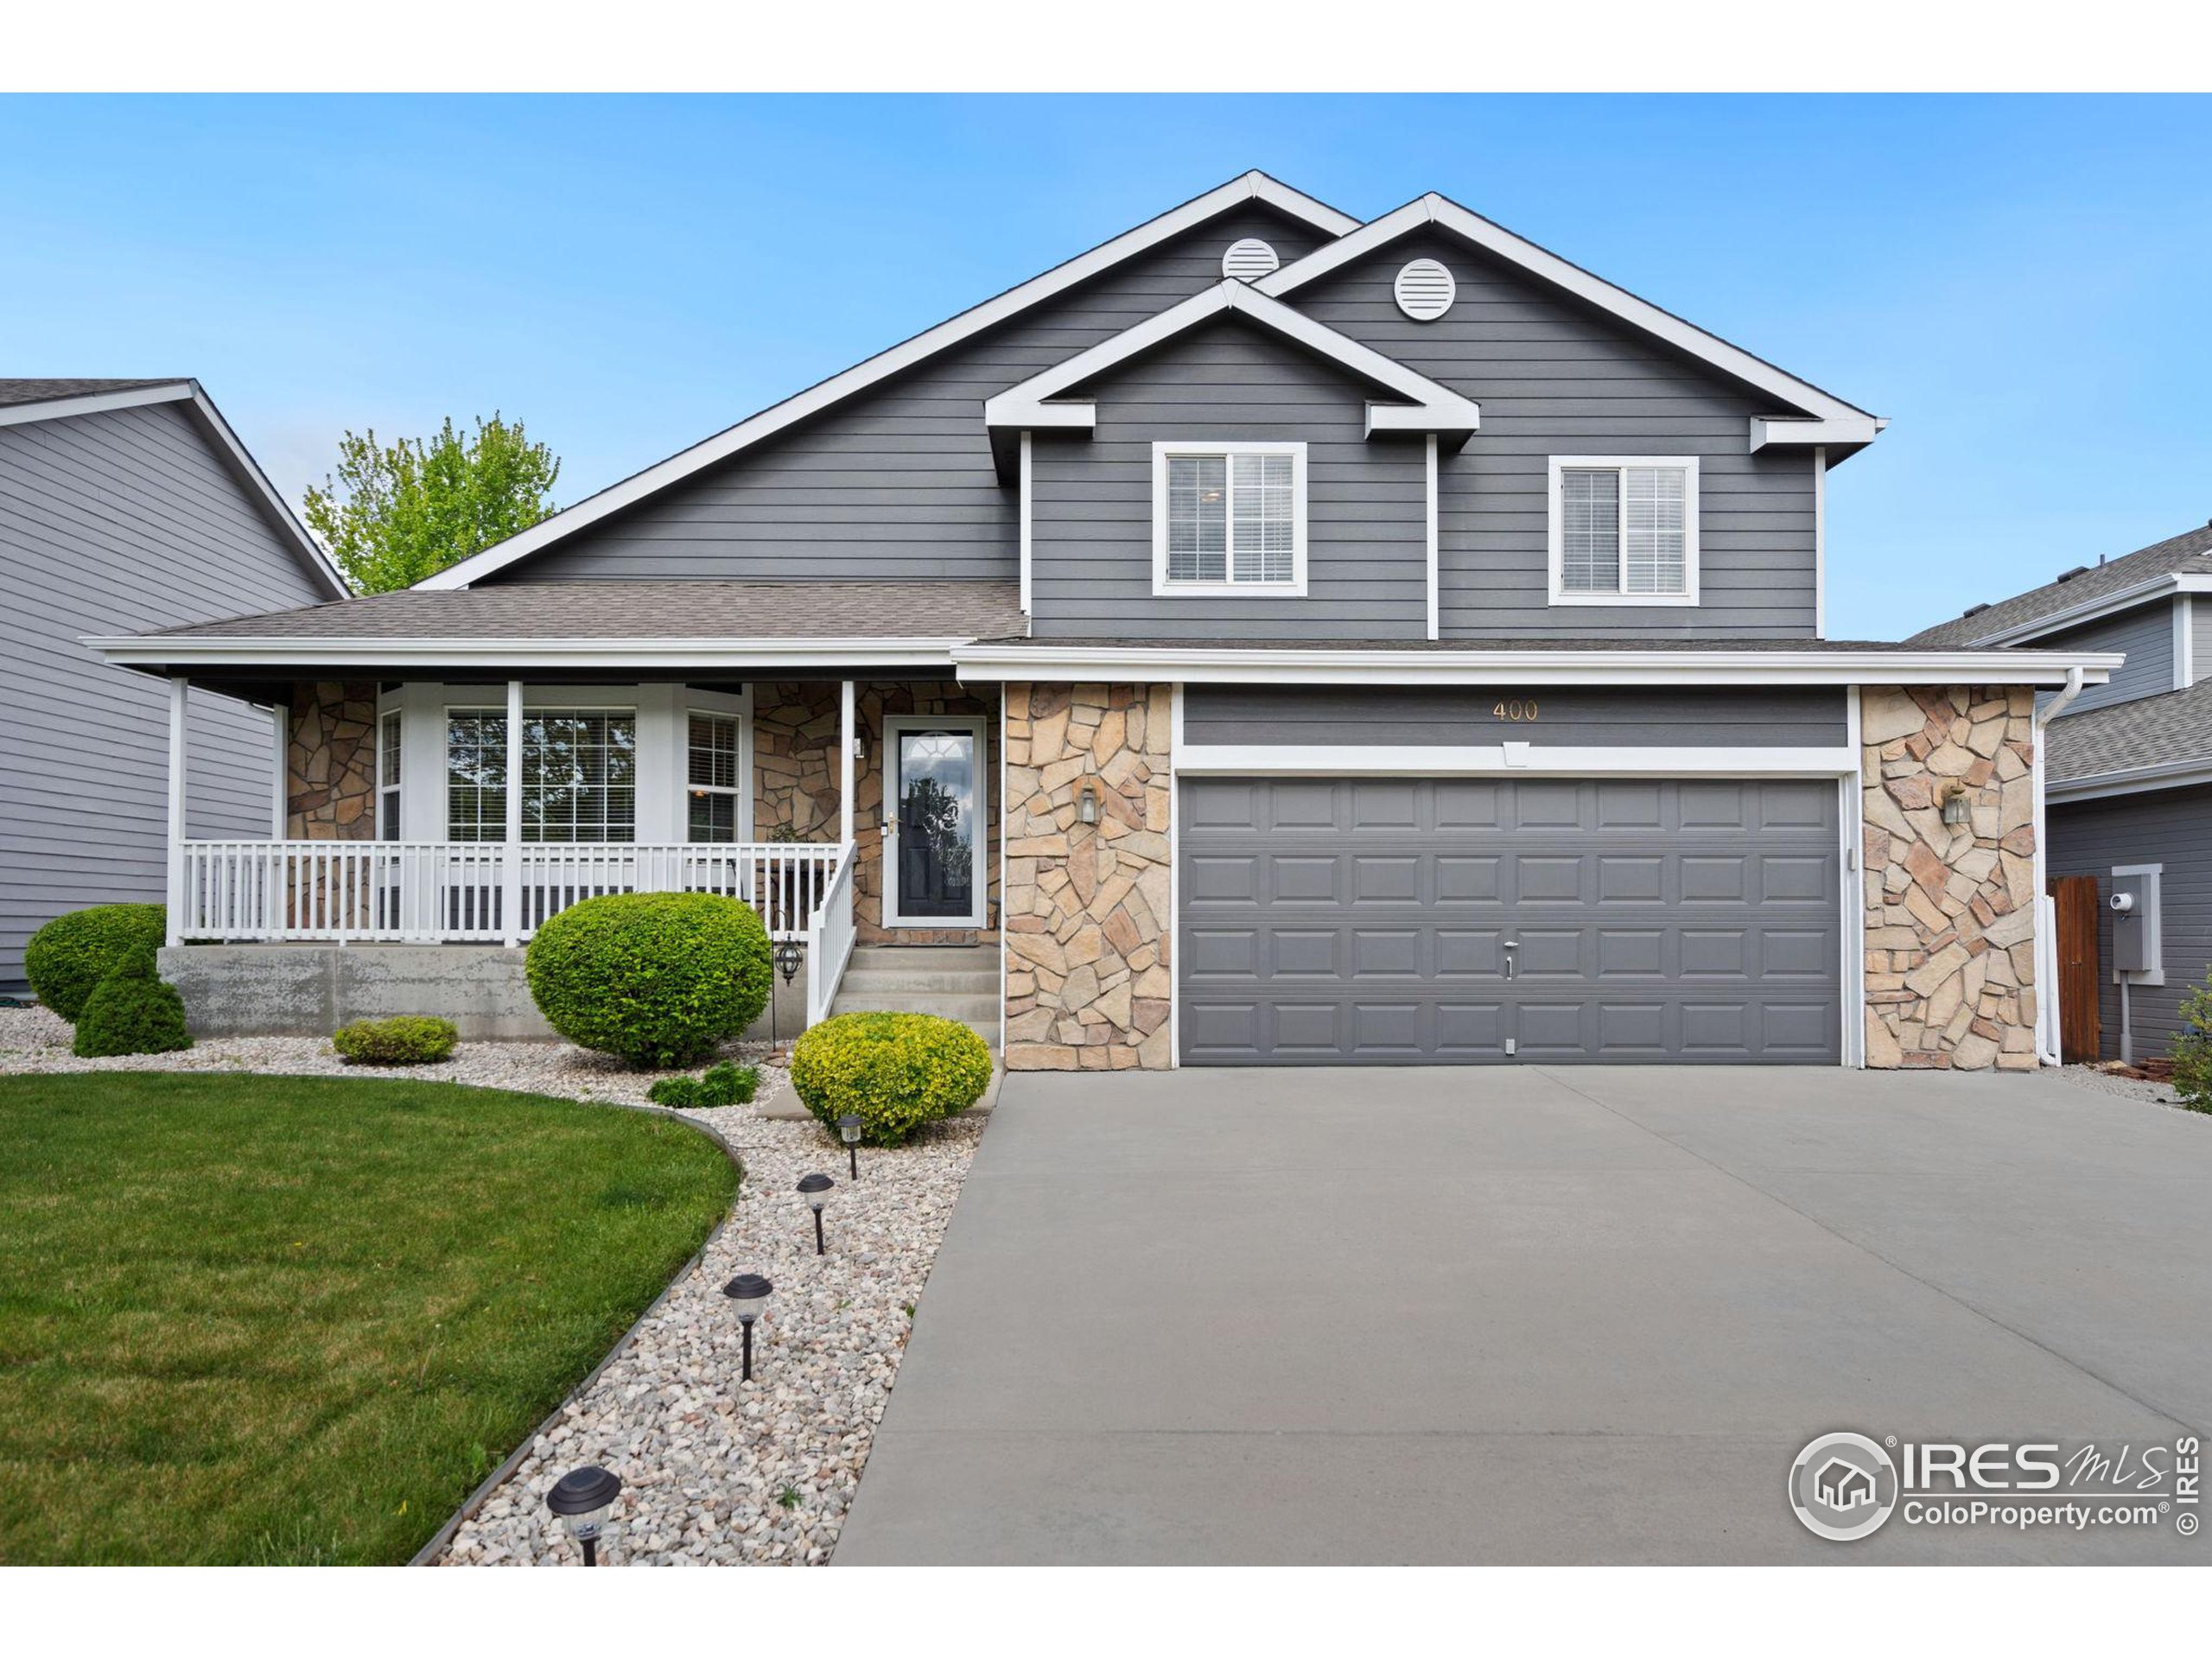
1517 708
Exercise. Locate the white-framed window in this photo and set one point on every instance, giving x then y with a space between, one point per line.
1229 519
388 727
714 753
1623 529
579 782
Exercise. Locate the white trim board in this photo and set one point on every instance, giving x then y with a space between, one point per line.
1850 423
1510 759
2139 780
1198 664
1429 407
616 656
1249 186
236 459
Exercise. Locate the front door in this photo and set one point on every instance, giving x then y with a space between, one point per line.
933 866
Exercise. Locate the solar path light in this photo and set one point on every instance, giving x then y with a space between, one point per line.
749 1291
581 1498
816 1188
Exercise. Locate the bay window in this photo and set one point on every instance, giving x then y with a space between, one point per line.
579 782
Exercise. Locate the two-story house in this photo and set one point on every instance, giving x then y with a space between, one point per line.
1267 637
125 505
2128 779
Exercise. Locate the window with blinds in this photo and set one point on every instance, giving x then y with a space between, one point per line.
388 732
579 776
1624 530
711 779
1232 517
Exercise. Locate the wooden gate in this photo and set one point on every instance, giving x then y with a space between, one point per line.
2074 898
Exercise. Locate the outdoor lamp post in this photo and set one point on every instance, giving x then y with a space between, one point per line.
581 1498
750 1292
815 1189
848 1128
786 960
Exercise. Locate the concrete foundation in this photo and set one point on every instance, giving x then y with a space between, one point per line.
309 990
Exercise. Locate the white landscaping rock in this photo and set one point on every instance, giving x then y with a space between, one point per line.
703 1459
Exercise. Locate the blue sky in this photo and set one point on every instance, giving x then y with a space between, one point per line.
2020 284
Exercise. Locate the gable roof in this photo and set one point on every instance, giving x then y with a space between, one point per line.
2148 575
1250 186
1427 406
22 402
1828 420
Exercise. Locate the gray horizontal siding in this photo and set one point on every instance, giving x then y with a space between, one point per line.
2145 633
1554 379
1296 716
2169 827
114 524
1367 558
2200 649
898 483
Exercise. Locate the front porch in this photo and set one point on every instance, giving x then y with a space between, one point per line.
396 827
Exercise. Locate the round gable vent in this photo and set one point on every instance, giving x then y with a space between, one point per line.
1425 290
1248 260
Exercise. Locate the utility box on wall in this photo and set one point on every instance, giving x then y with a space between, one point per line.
2136 943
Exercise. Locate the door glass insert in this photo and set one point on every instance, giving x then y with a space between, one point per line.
936 824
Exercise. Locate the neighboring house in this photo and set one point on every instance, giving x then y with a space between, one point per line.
2128 772
1265 639
124 505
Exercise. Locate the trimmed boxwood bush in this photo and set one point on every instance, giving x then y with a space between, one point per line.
132 1012
657 978
727 1084
897 1072
402 1039
68 958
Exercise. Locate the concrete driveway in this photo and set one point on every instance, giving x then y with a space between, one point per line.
1521 1315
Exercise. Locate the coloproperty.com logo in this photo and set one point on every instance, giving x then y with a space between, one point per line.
1846 1486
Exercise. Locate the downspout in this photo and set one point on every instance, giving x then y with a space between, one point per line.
2047 1036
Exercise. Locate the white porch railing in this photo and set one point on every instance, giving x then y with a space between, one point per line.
830 946
427 892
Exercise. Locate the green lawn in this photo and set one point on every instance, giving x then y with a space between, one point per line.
297 1320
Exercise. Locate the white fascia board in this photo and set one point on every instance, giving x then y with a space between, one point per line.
1434 407
1540 262
212 425
1315 665
2126 599
615 656
1773 430
1515 760
2139 780
1252 186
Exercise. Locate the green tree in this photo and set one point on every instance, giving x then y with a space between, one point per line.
396 513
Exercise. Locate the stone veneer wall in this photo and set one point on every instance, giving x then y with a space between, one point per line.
330 783
1088 907
796 773
1951 912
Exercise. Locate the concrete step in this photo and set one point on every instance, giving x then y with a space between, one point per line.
892 981
955 981
974 1006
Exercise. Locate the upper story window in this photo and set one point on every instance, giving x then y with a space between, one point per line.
1623 529
1229 519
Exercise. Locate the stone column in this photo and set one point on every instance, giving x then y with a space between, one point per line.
1088 906
330 786
1950 909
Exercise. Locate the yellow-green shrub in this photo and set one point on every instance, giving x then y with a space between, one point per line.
896 1071
402 1039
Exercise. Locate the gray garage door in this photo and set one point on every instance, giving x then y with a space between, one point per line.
1376 920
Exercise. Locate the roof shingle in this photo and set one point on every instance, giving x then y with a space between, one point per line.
2191 551
16 393
2173 726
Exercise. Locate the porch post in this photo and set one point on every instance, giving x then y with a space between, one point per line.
173 895
846 734
511 861
279 799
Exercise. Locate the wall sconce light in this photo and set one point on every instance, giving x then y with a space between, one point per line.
1086 801
1957 809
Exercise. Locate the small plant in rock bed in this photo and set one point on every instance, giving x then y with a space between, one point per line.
789 1498
726 1085
404 1039
2192 1050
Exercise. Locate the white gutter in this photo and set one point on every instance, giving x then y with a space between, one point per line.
613 655
2046 1034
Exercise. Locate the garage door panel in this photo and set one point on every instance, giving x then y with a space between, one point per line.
1364 920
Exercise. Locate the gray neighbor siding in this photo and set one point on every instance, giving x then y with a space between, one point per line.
1091 529
116 523
2200 634
2145 633
1566 716
898 483
1554 379
2172 828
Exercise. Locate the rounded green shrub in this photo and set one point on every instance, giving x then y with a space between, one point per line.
132 1012
657 978
402 1039
897 1072
68 958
